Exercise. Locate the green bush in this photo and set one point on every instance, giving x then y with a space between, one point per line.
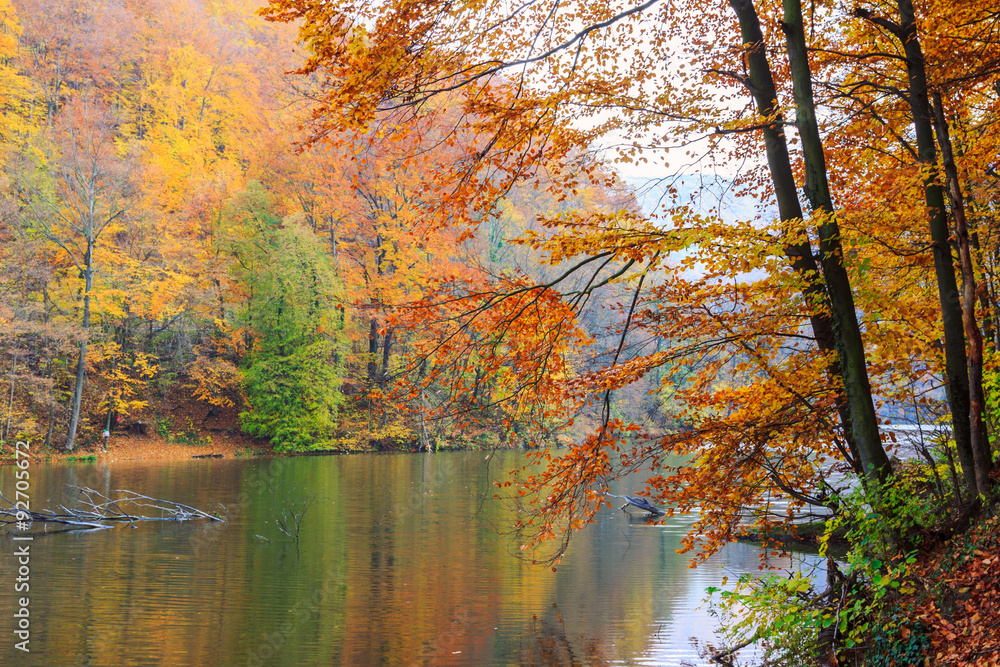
162 426
781 614
785 615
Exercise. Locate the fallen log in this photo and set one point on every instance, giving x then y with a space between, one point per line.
97 510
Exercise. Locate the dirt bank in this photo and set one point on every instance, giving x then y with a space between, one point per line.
128 447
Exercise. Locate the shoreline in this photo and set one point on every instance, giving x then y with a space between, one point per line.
152 447
127 447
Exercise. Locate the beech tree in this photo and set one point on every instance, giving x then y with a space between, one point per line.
666 76
967 423
842 334
73 197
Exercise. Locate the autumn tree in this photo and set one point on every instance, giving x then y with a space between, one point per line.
72 198
15 88
911 78
787 334
842 334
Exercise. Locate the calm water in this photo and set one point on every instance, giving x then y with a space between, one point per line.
400 563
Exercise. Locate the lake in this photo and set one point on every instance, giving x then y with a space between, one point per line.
400 562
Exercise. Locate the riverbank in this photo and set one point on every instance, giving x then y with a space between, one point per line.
129 447
125 446
955 604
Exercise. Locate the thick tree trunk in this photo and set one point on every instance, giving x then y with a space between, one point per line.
847 332
977 428
800 254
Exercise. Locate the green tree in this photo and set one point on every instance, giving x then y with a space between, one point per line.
293 325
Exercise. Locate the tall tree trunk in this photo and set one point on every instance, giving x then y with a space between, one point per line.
383 376
956 363
10 403
982 281
982 290
81 365
977 401
760 83
48 372
373 352
847 332
424 444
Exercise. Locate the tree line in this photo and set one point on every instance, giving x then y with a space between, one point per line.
861 291
171 238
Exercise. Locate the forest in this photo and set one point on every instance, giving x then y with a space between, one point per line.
172 237
726 244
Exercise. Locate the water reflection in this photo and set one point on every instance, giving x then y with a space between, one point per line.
399 563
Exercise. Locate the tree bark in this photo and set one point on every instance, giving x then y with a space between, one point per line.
847 332
373 352
977 429
956 363
386 352
760 83
81 365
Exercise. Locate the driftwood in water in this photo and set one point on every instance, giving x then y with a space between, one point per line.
100 511
723 658
639 502
206 456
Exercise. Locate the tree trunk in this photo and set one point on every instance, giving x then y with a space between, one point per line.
386 351
800 254
847 332
48 370
424 445
10 403
81 365
982 290
982 283
373 352
333 239
956 363
977 429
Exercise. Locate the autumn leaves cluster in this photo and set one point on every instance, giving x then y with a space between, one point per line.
409 222
843 280
181 227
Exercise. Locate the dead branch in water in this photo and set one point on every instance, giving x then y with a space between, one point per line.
101 511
